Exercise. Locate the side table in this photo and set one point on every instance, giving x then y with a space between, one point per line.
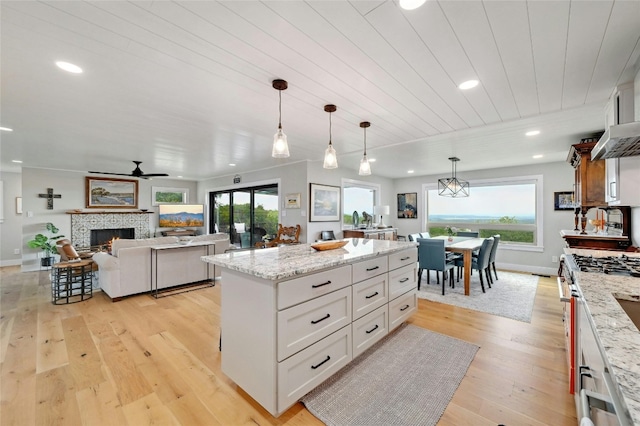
71 282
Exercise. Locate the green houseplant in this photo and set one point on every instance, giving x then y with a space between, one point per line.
46 243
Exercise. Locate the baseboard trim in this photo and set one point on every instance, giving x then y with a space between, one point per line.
16 262
538 270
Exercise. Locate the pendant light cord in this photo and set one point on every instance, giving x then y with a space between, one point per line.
280 110
329 128
365 141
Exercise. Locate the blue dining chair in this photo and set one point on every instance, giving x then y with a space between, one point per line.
492 256
432 257
474 234
481 262
414 237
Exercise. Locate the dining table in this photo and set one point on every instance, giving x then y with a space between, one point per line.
466 246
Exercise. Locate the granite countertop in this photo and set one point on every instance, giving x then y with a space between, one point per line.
591 234
618 336
283 262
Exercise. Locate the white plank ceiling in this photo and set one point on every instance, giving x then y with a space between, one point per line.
185 87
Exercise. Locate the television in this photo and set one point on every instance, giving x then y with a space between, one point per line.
180 215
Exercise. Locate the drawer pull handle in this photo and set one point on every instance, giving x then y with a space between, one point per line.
405 258
321 319
372 330
373 269
320 285
374 294
404 280
404 308
316 366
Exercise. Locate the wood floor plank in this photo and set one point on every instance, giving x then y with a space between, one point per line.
161 357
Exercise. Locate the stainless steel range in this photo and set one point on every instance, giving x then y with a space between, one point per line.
619 265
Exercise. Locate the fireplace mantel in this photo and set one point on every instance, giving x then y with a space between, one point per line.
82 222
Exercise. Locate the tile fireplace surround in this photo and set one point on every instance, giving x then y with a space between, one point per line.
83 222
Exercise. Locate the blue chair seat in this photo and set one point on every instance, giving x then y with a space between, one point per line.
433 257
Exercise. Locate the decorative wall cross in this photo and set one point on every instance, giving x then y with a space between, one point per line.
49 196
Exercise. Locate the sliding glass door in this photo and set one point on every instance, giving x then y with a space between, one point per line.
246 214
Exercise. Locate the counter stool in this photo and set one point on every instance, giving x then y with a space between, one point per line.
71 282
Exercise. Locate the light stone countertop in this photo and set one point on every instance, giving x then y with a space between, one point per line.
618 336
284 262
590 235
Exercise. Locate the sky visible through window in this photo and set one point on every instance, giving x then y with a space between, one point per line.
358 199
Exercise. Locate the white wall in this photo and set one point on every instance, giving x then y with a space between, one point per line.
71 185
556 177
9 239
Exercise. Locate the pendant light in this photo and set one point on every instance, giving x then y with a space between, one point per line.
453 187
280 146
365 167
330 156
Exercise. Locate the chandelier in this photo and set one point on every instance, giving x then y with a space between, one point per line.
452 186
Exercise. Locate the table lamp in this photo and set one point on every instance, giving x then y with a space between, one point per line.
381 210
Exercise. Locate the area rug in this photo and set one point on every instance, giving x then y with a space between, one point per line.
511 296
408 378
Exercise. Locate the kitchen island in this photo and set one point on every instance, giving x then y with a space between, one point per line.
618 337
293 316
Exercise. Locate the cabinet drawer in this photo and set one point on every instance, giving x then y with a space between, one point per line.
307 369
302 325
369 268
403 258
369 295
301 289
402 280
369 329
402 308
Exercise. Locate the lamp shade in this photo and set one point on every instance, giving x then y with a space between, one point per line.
382 211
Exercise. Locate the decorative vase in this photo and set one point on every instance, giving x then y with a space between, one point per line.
450 238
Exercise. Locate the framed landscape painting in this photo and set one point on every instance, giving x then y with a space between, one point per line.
161 195
111 193
324 203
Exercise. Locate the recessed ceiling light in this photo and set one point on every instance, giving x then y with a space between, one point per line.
409 171
6 129
469 84
69 67
410 5
17 161
533 132
372 160
179 176
538 156
232 164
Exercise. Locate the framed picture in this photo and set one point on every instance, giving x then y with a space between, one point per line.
324 203
161 195
111 193
408 205
563 200
293 201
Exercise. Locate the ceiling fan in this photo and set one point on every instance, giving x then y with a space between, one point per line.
135 173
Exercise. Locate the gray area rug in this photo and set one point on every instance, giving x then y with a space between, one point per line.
408 378
511 296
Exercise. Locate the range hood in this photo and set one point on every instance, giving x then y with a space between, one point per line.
622 140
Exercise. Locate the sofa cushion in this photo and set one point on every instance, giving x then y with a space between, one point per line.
145 242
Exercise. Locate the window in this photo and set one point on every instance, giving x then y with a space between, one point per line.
246 214
358 197
509 207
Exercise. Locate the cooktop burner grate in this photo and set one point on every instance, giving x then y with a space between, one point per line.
620 265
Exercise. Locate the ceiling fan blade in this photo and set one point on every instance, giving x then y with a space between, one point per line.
109 173
153 174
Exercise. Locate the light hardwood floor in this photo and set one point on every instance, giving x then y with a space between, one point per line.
146 361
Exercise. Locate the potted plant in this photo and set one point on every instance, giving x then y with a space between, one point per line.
46 243
451 231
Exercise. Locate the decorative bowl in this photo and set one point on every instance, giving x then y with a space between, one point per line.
144 210
329 245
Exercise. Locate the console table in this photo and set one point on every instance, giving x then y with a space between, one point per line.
171 270
373 234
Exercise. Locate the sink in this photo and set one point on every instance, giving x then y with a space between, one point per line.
631 305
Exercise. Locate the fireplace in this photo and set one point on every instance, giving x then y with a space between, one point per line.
101 237
84 223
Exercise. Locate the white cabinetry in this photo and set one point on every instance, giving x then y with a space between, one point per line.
623 175
282 338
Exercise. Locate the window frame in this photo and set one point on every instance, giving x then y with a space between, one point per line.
348 183
537 180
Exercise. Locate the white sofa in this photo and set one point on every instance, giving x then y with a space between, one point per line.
127 270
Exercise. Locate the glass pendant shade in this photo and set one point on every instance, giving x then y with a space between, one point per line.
330 158
365 167
330 155
280 146
452 186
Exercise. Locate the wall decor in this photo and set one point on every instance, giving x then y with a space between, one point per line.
18 205
324 203
563 200
111 193
49 196
408 205
292 201
162 195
